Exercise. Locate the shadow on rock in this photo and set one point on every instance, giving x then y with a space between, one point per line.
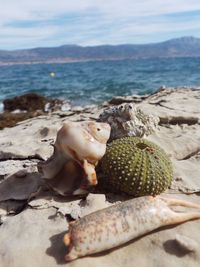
57 249
171 247
20 187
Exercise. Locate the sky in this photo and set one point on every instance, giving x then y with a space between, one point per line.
46 23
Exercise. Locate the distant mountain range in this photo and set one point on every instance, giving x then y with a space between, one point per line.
180 47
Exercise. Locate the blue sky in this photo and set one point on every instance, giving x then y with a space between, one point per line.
33 23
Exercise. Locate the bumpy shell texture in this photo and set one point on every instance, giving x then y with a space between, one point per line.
128 120
137 167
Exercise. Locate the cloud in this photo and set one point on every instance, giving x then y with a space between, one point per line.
28 23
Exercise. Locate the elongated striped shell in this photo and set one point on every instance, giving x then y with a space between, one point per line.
136 166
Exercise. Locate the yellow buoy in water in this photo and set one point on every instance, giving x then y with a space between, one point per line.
52 74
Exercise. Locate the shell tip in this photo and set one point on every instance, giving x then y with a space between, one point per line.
67 239
69 257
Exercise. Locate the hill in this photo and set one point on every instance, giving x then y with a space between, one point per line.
180 47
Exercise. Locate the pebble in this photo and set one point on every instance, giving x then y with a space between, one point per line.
186 243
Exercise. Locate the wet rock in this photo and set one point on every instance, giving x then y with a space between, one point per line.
28 106
31 102
9 119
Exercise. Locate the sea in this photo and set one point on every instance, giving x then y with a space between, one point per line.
86 83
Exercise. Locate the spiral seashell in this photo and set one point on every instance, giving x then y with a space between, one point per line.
77 149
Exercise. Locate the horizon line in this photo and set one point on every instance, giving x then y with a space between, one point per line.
106 44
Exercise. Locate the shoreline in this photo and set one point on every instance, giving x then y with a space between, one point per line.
68 61
9 118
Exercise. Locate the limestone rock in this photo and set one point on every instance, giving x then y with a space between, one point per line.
20 167
20 188
31 140
180 142
63 205
173 103
33 238
93 203
76 208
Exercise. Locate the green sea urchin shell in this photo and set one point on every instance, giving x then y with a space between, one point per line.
136 166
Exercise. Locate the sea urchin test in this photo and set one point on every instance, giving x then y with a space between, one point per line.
137 167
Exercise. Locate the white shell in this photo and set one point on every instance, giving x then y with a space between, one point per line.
127 120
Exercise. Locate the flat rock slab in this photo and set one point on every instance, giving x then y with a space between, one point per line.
20 188
9 167
33 238
29 139
180 142
76 208
173 103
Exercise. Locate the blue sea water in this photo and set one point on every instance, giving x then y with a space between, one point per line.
93 82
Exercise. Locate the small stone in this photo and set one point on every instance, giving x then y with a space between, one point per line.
186 243
178 179
93 203
21 174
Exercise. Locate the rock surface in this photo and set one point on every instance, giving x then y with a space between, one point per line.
34 219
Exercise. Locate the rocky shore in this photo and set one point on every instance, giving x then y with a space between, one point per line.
33 219
27 106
